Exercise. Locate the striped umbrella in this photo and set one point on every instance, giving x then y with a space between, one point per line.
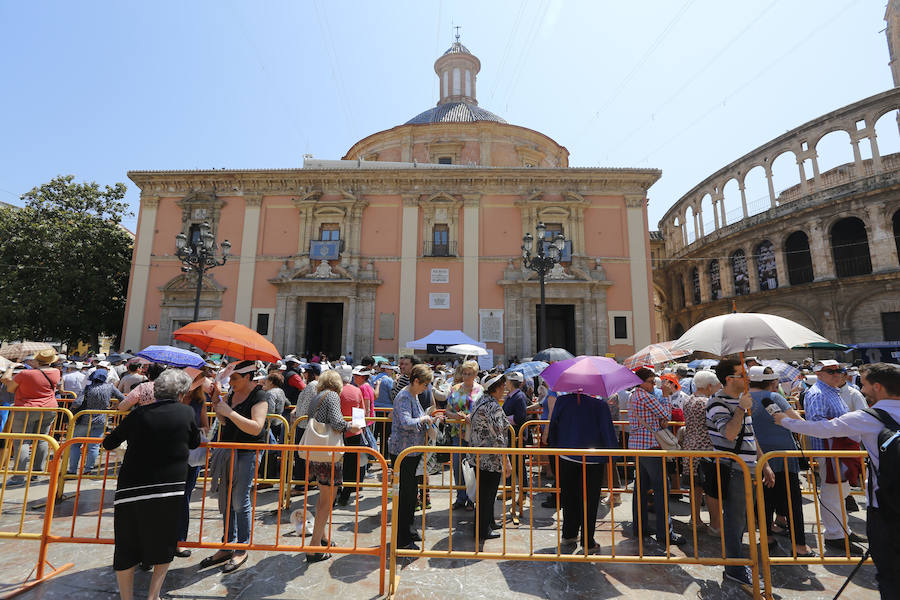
19 350
655 354
529 369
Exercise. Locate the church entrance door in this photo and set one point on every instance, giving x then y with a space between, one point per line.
560 326
324 328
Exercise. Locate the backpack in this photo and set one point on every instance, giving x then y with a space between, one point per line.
888 462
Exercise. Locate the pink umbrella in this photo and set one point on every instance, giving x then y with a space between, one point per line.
655 354
592 375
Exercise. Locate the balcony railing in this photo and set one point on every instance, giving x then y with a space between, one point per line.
852 266
445 249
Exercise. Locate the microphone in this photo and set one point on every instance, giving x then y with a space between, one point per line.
770 406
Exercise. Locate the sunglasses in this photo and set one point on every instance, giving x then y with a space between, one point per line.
832 371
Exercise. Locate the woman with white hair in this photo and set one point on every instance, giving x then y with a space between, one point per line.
150 488
696 438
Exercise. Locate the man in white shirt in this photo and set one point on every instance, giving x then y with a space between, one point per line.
75 380
881 387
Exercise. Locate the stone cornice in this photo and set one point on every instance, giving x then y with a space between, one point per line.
418 181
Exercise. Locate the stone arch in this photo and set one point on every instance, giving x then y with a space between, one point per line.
850 247
833 149
690 223
756 189
796 313
797 258
739 272
887 132
731 210
177 306
862 319
764 262
785 176
706 212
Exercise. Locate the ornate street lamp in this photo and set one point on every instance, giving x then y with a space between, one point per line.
199 256
541 263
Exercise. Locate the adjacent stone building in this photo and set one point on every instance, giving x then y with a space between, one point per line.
416 228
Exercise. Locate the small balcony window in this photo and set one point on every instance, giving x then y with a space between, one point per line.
329 232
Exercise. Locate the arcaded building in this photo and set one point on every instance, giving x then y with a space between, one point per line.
416 228
821 250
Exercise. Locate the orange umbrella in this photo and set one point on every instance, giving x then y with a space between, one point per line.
228 338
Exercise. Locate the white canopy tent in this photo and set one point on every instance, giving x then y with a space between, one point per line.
443 337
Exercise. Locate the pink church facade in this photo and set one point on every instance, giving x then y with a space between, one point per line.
417 228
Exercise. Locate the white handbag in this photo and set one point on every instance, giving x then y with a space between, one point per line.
321 434
471 478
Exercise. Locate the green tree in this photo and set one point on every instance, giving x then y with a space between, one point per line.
64 262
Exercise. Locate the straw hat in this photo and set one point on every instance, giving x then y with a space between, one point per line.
46 357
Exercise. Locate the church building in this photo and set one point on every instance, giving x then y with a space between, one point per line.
416 228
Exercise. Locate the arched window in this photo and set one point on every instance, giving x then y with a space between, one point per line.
765 266
695 284
715 283
739 271
798 258
850 247
897 231
679 292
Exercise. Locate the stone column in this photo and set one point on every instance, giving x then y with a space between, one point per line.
752 270
279 328
768 169
781 263
350 344
858 168
139 285
804 188
409 243
882 247
699 214
726 276
743 190
820 251
641 304
290 325
873 141
247 266
705 287
471 251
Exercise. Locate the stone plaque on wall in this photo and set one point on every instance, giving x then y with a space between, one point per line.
386 326
440 276
439 300
490 323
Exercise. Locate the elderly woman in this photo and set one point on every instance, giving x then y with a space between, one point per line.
97 395
580 421
489 430
326 409
696 438
408 426
242 416
463 396
771 437
150 488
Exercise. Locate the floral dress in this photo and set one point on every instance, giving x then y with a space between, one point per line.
462 403
489 426
695 434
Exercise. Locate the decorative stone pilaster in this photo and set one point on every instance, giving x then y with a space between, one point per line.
820 251
882 245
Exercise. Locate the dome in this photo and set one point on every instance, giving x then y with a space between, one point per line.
456 48
454 112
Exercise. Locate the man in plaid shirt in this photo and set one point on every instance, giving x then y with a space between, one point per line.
646 412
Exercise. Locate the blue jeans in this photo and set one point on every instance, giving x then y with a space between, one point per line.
651 476
86 427
457 470
189 485
734 522
241 509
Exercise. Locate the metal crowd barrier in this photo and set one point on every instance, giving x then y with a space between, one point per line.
89 523
514 547
850 555
15 499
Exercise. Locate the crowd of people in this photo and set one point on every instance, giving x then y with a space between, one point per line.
727 407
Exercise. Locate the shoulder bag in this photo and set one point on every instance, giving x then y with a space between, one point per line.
707 467
664 437
321 434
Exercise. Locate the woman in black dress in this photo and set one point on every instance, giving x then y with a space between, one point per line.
150 489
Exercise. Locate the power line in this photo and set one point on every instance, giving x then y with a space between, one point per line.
501 68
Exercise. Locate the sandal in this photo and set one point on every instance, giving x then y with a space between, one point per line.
234 562
318 557
216 559
811 554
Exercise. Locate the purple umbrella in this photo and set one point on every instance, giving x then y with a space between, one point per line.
592 375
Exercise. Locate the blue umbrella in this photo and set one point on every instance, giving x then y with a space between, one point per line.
172 356
703 363
529 369
553 355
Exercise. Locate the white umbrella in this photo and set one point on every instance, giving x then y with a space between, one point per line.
741 332
466 350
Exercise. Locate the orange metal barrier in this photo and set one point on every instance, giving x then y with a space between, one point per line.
89 523
531 544
15 499
851 553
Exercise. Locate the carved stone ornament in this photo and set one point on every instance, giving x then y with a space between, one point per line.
323 271
558 272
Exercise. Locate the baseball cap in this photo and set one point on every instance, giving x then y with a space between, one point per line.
291 358
822 364
757 373
361 370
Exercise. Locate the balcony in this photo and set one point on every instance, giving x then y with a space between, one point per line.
445 249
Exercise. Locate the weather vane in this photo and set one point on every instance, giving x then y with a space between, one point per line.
457 32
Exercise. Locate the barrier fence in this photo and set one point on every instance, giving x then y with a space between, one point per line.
93 492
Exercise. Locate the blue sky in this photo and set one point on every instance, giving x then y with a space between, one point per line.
96 89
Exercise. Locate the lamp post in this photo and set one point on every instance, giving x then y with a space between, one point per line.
199 256
541 262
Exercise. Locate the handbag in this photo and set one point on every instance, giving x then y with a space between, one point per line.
468 471
444 439
664 437
197 456
321 434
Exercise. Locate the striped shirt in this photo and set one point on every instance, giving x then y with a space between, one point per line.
719 411
822 403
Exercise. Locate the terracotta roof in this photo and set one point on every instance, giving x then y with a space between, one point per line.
454 112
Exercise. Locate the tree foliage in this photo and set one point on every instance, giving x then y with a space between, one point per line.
64 262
